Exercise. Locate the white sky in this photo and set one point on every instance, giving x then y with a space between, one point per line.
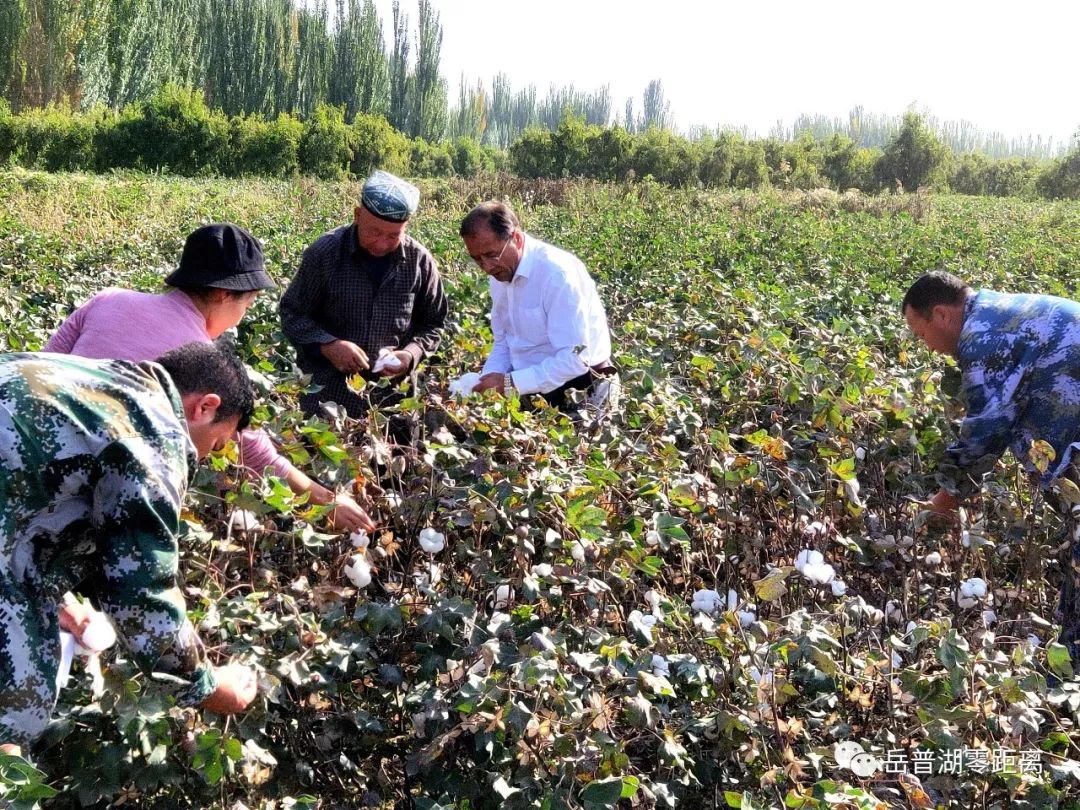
1009 67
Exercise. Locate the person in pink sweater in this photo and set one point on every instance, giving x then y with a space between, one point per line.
221 272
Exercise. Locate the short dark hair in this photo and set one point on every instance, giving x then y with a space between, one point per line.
496 216
212 368
936 288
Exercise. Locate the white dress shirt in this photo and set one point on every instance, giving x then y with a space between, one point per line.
548 322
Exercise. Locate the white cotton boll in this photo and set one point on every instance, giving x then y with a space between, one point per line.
818 573
577 551
431 541
360 539
746 618
98 635
839 587
358 570
851 490
860 453
965 539
706 601
933 559
989 617
660 666
242 520
387 360
652 599
966 602
503 596
652 538
704 623
815 529
464 385
542 570
806 557
974 587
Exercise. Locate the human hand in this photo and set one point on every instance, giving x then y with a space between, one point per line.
11 750
393 363
494 380
944 505
349 516
345 356
237 687
75 616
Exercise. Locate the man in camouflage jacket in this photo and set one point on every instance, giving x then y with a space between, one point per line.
1019 356
94 460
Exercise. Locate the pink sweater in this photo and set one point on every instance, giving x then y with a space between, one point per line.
127 325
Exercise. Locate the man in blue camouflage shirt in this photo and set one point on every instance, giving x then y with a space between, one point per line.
1019 356
95 456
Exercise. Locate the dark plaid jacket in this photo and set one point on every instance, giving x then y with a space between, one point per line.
333 297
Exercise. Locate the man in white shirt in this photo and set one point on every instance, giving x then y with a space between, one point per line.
549 326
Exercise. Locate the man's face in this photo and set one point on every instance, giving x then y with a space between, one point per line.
497 257
207 432
377 236
941 331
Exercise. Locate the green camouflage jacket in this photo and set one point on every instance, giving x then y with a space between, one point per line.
94 460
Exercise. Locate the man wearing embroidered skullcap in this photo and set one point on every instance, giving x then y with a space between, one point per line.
363 289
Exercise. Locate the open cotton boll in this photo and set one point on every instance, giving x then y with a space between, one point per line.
431 541
706 601
242 520
542 570
98 635
851 490
577 551
839 587
808 556
652 599
464 385
387 360
819 573
933 559
652 538
660 666
974 587
358 571
503 596
360 539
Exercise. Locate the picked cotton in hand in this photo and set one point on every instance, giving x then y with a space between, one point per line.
98 635
463 385
387 360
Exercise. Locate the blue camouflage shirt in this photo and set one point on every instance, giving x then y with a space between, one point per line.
1020 360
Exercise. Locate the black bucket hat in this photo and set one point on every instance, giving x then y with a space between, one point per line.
221 255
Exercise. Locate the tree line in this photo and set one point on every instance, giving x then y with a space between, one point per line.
177 131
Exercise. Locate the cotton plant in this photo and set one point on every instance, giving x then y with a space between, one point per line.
463 386
358 571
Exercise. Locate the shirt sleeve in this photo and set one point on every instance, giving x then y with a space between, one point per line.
257 452
499 360
567 331
137 515
994 389
64 339
300 300
429 311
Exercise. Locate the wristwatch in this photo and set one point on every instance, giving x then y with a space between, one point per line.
508 384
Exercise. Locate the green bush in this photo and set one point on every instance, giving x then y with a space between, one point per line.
55 139
7 134
666 158
914 158
377 145
430 159
532 155
470 158
175 131
261 147
325 150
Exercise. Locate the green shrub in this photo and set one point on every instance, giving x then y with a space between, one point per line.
325 150
55 139
174 131
470 158
430 159
268 148
7 134
377 145
532 155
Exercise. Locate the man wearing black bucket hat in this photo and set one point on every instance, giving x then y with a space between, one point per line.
221 271
363 290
